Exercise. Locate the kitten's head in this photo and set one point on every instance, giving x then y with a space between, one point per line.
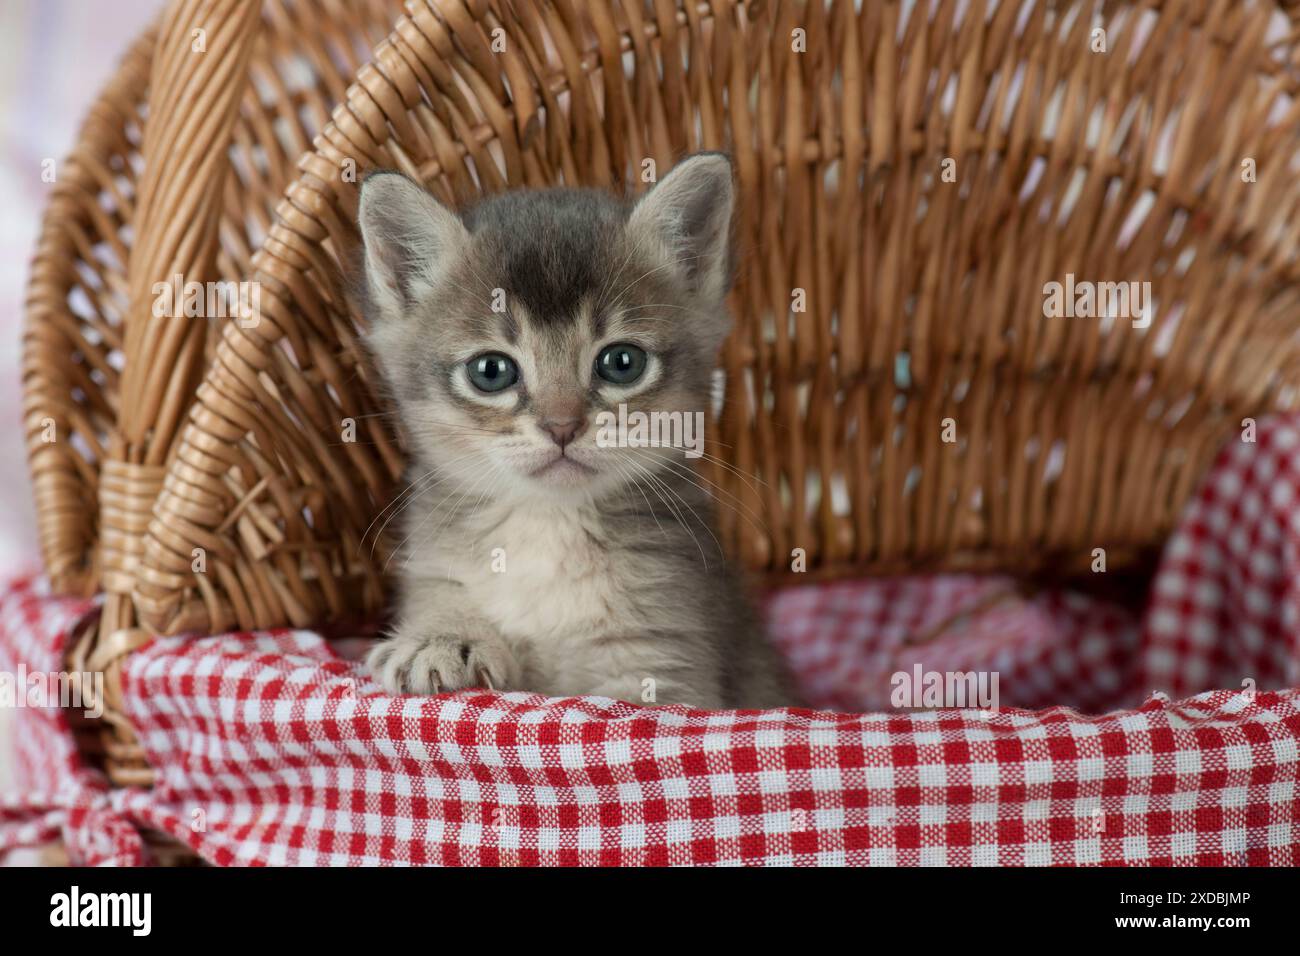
505 332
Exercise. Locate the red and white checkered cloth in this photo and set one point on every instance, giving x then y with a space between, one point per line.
276 748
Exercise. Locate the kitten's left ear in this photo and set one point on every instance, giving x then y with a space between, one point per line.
409 236
688 213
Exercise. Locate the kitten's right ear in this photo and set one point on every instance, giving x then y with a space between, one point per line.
408 236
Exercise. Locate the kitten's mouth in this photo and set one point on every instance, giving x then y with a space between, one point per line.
562 466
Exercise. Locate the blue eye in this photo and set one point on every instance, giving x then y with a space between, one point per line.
621 364
492 372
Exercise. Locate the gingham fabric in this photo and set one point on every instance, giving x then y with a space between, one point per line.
276 748
54 796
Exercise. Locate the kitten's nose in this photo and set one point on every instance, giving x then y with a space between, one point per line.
563 431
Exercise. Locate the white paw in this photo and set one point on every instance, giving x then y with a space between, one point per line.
440 663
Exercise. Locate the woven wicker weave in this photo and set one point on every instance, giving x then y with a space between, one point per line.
877 300
924 298
177 171
72 351
92 267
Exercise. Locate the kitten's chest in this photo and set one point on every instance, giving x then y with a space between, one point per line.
546 571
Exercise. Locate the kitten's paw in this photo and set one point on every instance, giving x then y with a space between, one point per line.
440 663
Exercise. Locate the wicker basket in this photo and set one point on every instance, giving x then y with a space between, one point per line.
177 169
923 299
215 202
908 185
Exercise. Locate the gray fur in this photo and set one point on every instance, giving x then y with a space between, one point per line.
602 577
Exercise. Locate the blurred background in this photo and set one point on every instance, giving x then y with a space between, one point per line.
54 57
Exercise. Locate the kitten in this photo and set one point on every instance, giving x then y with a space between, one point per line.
537 556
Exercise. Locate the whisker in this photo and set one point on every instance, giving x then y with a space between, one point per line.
656 484
432 511
391 504
635 483
442 469
643 306
675 513
740 508
735 471
495 476
399 416
453 511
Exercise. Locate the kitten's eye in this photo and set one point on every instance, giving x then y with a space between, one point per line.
492 372
621 364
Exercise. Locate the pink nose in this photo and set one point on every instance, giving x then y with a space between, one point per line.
563 432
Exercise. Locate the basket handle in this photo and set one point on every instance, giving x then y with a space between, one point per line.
197 80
